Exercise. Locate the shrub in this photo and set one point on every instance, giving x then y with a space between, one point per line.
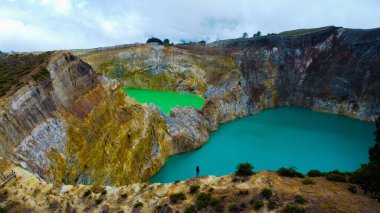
258 204
234 208
315 173
336 176
191 209
203 200
291 208
272 204
153 39
99 200
267 193
124 196
308 181
138 204
177 197
87 193
194 189
243 205
299 199
291 172
2 210
244 169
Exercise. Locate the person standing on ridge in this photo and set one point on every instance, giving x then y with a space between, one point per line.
197 169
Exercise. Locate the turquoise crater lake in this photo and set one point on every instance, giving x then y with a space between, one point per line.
277 138
165 100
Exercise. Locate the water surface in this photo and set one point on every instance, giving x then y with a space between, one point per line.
165 100
277 138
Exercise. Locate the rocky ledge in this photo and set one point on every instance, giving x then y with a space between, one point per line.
230 193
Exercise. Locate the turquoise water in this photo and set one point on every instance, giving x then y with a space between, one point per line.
277 138
165 100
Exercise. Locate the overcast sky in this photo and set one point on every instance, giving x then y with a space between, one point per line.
30 25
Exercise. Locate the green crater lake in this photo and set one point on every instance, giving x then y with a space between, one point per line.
165 100
275 138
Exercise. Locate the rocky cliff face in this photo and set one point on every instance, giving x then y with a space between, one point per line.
57 126
77 126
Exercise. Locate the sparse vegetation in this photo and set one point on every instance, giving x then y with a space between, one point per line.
266 193
308 181
14 66
194 189
292 208
300 199
177 197
244 169
291 172
315 173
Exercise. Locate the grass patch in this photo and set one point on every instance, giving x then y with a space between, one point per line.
308 181
302 31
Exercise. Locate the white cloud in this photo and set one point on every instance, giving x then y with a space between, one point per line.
64 24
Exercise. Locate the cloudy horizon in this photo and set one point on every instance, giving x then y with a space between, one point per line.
40 25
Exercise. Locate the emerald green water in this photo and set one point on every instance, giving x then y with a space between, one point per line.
165 100
277 138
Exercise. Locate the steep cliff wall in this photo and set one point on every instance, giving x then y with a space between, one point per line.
78 127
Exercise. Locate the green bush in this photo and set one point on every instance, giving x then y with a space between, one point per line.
299 199
291 172
315 173
233 208
336 176
267 193
138 204
258 204
177 197
194 189
244 169
272 204
308 181
87 193
203 200
191 209
292 208
2 210
153 39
